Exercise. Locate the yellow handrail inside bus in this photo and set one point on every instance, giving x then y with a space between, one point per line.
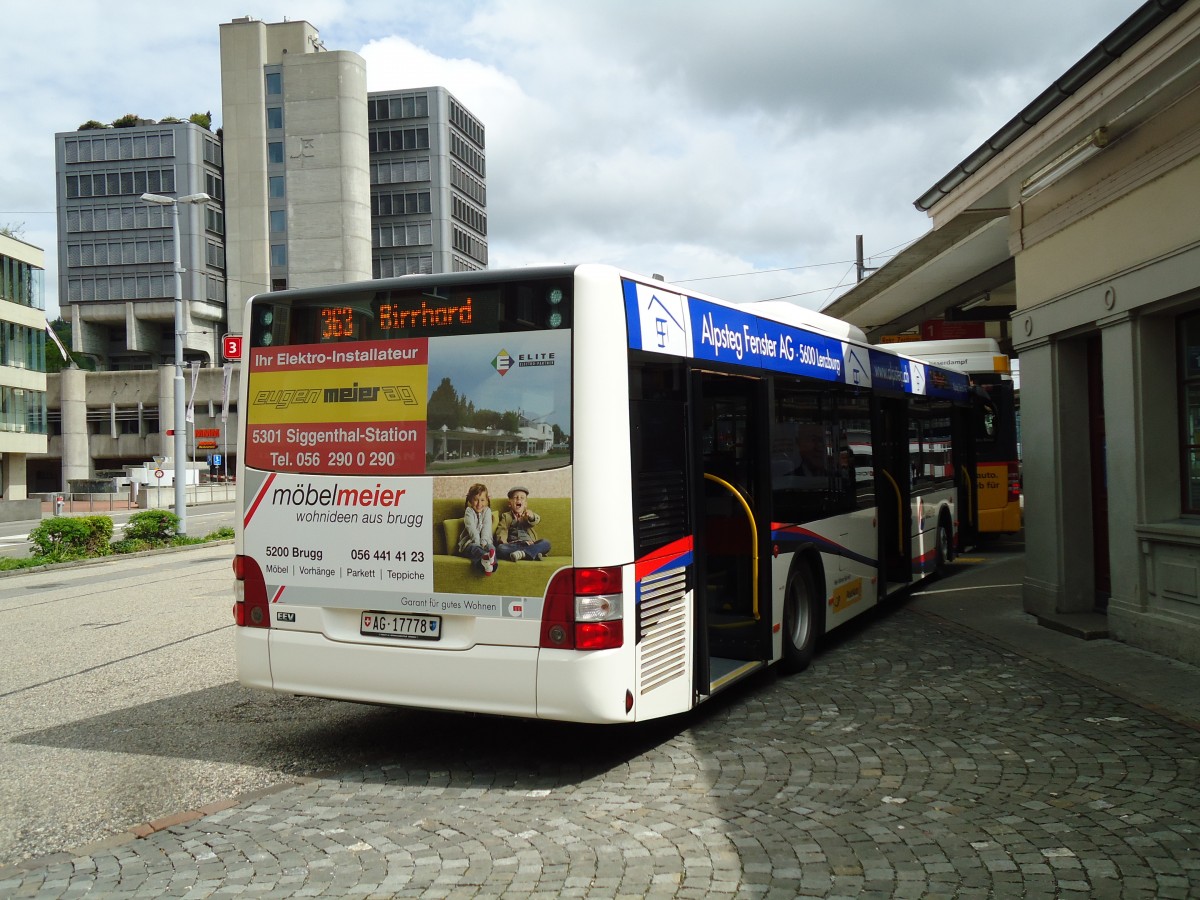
899 509
753 535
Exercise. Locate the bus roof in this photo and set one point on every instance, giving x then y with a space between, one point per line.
972 355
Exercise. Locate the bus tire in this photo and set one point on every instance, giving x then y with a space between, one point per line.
801 618
945 549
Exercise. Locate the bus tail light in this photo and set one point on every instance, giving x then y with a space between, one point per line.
1014 482
583 610
251 608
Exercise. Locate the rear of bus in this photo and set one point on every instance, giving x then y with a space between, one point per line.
997 466
371 414
998 487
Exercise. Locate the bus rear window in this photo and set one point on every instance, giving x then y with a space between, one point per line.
357 380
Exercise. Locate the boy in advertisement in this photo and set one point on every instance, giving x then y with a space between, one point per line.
516 538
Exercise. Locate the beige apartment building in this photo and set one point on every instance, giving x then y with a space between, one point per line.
22 372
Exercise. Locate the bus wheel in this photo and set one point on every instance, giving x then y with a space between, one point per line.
799 620
944 548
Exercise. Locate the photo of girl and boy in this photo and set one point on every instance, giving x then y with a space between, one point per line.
514 538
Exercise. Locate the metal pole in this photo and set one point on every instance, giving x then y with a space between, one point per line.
180 412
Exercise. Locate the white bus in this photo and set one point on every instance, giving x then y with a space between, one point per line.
713 487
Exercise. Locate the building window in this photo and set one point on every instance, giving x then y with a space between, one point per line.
111 184
399 204
214 220
408 106
275 186
1189 395
390 266
278 219
399 139
279 255
274 116
274 84
21 282
400 171
275 152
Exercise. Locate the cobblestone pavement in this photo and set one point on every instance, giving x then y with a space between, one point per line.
914 759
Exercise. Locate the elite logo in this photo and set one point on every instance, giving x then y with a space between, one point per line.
503 362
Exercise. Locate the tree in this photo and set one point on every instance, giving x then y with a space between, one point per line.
510 422
91 125
129 120
13 229
445 407
204 120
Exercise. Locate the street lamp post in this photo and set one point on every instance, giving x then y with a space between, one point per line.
180 412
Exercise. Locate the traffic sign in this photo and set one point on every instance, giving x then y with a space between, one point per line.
231 346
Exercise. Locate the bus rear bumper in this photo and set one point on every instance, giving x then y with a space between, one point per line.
1000 521
490 679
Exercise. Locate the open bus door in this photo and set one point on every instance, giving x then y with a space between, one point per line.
732 528
966 471
893 492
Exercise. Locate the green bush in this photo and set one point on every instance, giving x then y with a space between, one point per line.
71 537
132 545
66 538
155 527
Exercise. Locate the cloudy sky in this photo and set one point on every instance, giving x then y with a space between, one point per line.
736 147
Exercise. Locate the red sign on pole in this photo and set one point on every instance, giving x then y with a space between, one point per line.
231 346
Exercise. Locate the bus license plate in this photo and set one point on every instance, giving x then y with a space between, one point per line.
401 625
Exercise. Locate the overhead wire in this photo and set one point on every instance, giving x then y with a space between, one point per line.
851 263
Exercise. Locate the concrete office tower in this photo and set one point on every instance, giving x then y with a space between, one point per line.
428 183
115 252
297 196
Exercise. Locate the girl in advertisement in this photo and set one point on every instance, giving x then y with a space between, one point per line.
475 541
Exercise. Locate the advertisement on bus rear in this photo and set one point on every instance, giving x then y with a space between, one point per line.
372 467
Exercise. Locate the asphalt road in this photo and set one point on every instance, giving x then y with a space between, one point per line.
119 702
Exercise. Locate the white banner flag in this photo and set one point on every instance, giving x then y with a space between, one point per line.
191 407
228 374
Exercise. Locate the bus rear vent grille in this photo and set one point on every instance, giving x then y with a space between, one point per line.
661 509
663 625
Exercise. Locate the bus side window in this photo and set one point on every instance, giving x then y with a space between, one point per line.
658 429
803 465
854 436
